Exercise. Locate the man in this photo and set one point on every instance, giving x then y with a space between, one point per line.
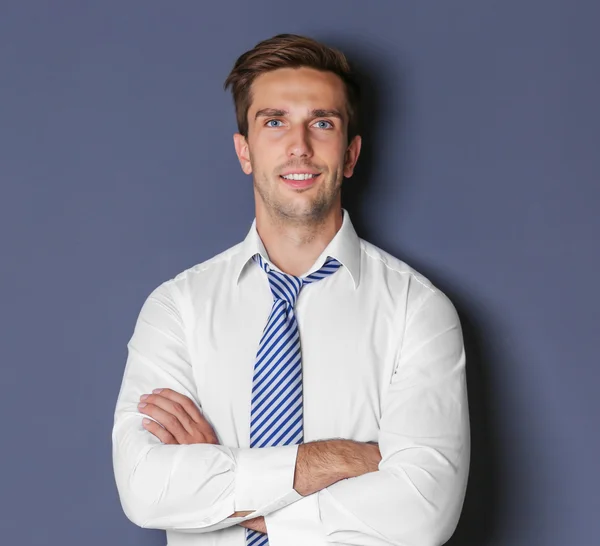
304 386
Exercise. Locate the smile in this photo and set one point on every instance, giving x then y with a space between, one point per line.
299 176
299 180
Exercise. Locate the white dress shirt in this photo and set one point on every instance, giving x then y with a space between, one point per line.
383 360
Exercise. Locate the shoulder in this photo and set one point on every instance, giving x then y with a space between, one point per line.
211 267
203 276
399 279
378 262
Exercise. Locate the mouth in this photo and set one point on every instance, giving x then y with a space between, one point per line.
300 180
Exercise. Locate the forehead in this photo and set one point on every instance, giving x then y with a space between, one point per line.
297 88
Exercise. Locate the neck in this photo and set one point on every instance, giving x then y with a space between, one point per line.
294 248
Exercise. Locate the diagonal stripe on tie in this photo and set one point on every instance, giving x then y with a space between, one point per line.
276 416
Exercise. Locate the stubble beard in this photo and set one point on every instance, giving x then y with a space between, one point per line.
291 213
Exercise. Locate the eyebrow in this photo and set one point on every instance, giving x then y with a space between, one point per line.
318 113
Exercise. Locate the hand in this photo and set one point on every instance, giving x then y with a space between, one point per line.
361 457
372 456
322 463
256 524
181 420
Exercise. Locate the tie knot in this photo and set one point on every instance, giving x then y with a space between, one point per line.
287 287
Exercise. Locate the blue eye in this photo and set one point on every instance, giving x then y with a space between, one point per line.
271 121
323 121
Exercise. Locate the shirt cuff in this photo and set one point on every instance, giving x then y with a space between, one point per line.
297 524
265 477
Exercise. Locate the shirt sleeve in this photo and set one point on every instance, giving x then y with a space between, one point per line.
188 488
416 496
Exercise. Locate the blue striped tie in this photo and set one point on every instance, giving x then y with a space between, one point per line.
276 413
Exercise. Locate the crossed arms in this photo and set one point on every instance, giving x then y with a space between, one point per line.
412 495
177 421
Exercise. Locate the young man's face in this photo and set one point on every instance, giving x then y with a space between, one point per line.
297 124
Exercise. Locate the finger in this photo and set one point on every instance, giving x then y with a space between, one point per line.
174 408
192 411
162 434
199 430
166 419
256 524
185 401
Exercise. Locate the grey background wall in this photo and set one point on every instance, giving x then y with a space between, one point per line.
480 169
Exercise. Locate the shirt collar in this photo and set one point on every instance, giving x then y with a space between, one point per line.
344 247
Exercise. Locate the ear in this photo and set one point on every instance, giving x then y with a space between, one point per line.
241 149
351 157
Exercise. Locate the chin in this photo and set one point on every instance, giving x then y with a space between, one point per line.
307 211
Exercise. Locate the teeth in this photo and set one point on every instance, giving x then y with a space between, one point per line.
299 176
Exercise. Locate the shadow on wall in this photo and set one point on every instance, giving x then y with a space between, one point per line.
480 516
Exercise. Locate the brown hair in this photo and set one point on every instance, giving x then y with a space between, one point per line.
290 51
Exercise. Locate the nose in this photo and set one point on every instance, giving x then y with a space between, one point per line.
299 143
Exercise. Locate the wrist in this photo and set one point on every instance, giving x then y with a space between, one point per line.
344 452
358 458
320 464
